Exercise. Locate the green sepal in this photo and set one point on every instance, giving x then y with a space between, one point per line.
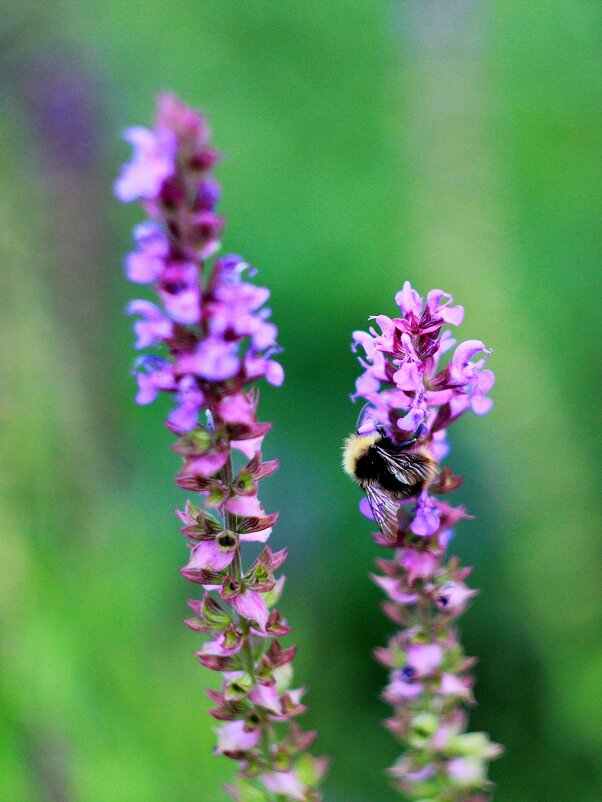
258 575
239 688
209 522
214 614
424 724
197 441
473 744
282 760
310 770
271 597
264 672
283 676
244 484
397 655
250 793
430 789
254 767
193 510
216 496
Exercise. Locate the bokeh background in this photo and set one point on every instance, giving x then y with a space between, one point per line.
455 144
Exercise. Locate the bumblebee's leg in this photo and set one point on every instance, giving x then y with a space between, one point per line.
414 438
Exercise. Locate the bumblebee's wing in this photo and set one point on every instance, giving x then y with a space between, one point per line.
384 508
409 469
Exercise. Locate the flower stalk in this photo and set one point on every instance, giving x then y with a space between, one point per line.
407 388
212 340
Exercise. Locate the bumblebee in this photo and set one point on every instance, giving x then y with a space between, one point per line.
387 473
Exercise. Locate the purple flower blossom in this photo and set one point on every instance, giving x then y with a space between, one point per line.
153 375
214 332
145 265
415 378
153 327
178 288
426 516
153 162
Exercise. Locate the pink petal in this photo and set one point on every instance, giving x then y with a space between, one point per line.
461 371
408 377
266 696
418 564
142 268
213 360
385 324
366 509
256 537
426 518
466 771
486 380
398 691
217 647
233 737
183 307
453 597
424 658
451 685
411 421
394 591
364 340
285 783
366 383
244 505
207 554
250 604
274 373
208 464
236 408
408 300
438 302
480 405
152 163
249 447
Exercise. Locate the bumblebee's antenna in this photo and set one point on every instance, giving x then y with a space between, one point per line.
360 417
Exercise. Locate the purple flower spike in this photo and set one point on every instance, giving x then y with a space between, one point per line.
213 330
411 388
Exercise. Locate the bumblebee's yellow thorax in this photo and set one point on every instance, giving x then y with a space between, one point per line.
355 447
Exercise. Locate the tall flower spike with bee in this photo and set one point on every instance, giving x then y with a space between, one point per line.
216 341
414 386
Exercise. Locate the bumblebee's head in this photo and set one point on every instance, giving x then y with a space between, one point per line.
355 447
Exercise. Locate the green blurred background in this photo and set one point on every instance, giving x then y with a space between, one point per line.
454 144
